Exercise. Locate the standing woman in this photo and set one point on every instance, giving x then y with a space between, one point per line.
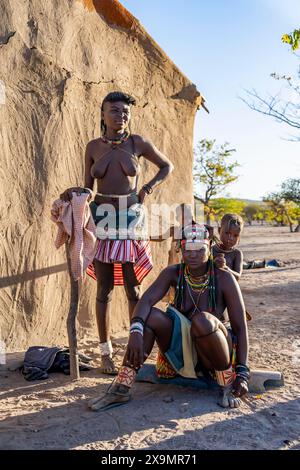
113 160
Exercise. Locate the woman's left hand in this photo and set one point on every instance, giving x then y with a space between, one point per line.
141 195
240 387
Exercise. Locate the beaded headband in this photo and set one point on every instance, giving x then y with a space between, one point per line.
195 237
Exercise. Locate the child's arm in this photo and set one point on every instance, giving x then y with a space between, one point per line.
237 265
220 262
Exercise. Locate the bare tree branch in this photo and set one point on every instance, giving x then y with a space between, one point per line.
292 120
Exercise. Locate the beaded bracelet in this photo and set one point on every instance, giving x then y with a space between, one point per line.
138 320
137 331
242 371
246 379
137 327
242 368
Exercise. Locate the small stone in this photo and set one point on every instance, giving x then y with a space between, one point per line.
168 399
184 407
262 303
274 414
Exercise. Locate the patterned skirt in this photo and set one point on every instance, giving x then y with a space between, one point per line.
113 247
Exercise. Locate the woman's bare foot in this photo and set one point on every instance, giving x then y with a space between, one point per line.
228 400
107 366
116 395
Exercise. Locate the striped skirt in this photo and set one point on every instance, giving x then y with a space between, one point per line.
119 251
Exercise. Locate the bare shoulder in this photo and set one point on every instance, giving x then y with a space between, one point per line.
238 254
141 143
168 276
171 272
139 139
93 143
93 148
225 279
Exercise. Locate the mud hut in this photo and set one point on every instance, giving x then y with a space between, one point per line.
58 60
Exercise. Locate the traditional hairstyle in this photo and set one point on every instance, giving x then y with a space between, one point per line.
232 221
113 97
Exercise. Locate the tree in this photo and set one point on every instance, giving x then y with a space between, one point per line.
261 215
213 170
224 205
293 39
251 212
284 110
284 206
290 191
280 211
295 215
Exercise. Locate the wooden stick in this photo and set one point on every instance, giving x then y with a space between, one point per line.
71 321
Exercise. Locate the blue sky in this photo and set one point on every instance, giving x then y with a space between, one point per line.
224 47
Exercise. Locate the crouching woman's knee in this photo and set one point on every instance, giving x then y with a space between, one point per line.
203 324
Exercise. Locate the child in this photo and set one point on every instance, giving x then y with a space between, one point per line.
226 255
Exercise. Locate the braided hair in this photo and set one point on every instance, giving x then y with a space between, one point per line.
113 97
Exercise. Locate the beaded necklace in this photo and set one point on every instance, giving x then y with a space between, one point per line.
221 250
197 283
123 138
193 300
211 285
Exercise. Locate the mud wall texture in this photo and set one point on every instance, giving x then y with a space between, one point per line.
58 59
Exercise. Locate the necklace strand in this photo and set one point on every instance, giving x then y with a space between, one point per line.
197 283
223 251
197 301
123 138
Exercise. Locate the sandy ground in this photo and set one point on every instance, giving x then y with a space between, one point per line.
53 414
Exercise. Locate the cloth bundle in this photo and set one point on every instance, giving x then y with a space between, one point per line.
75 226
40 360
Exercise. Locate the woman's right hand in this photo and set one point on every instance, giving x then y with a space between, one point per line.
67 195
134 356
